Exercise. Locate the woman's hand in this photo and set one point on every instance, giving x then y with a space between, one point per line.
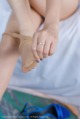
44 43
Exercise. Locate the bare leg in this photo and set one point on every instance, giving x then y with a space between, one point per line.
68 7
8 56
9 51
26 23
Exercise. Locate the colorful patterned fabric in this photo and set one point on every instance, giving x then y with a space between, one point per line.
14 101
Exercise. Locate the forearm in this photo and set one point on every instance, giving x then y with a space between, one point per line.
53 12
22 11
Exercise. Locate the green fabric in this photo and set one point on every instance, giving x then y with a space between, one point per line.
14 101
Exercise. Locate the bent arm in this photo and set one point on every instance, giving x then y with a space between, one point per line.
53 12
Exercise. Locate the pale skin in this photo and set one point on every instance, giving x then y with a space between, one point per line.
26 26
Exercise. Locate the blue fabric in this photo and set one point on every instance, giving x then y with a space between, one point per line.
53 110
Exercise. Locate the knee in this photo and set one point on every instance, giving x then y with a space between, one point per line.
39 6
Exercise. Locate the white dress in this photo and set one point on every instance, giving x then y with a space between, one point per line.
58 75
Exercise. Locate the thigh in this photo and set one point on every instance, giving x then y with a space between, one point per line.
68 7
39 6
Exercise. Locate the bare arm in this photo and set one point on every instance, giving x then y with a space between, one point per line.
49 34
53 12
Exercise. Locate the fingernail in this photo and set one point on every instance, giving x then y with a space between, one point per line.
41 59
37 61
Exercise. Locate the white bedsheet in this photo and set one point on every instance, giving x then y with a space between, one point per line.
59 74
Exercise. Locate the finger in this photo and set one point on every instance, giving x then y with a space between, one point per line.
40 50
34 47
36 57
40 46
46 49
52 48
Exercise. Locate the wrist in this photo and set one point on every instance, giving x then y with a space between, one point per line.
52 28
51 24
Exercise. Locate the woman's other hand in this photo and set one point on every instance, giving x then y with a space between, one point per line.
44 42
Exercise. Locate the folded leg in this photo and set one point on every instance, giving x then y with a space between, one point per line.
8 55
9 50
68 7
